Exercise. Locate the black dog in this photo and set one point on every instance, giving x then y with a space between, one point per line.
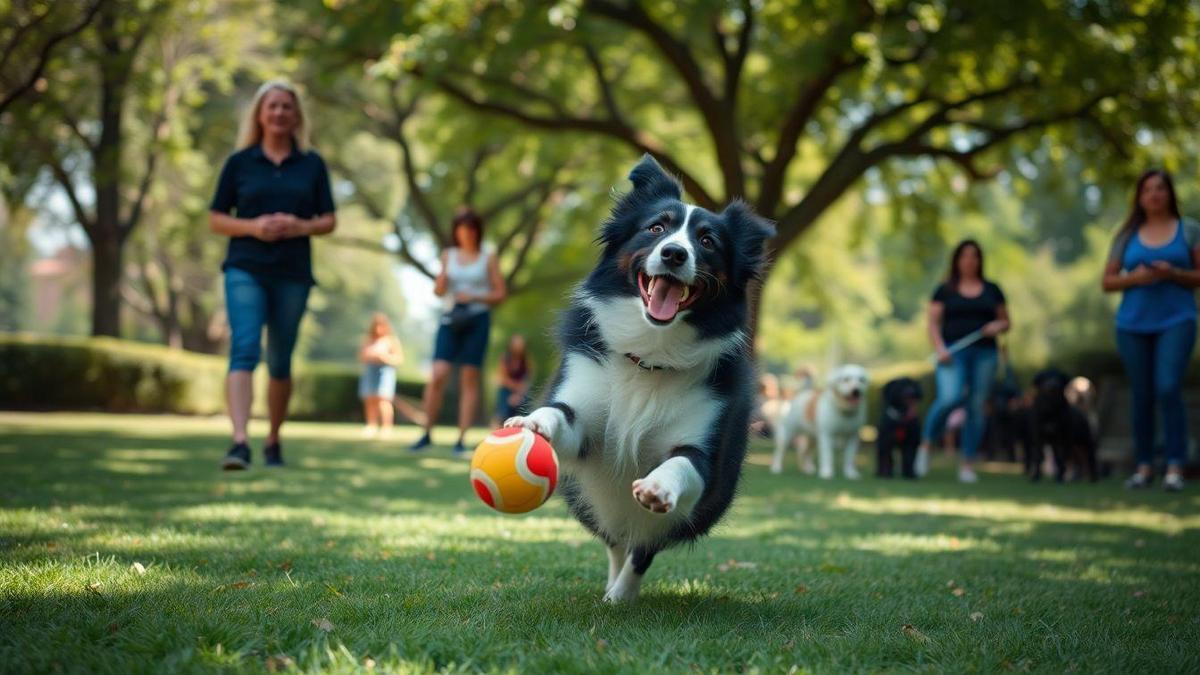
1060 425
899 427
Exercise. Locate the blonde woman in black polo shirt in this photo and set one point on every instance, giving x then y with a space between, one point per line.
273 194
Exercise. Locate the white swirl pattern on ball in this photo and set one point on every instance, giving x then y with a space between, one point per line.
493 490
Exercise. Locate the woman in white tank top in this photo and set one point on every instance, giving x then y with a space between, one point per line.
470 284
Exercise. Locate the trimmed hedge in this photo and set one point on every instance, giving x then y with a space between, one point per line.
65 373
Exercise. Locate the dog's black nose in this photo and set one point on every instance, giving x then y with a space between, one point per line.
854 393
674 255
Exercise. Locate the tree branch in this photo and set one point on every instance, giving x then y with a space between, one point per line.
606 92
718 113
611 128
408 166
64 180
43 57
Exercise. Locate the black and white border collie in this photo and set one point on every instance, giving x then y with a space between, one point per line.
650 409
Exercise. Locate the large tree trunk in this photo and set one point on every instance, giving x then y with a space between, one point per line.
107 233
106 287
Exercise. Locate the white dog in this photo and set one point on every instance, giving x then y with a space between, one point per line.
833 416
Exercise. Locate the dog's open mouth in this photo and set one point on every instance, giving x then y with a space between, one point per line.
665 296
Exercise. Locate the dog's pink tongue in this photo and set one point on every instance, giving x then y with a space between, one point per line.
664 299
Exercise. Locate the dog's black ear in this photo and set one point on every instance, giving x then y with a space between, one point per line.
750 233
650 181
650 185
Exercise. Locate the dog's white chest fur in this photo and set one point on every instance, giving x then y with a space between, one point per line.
634 417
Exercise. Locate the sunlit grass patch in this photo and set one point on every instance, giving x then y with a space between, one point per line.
123 549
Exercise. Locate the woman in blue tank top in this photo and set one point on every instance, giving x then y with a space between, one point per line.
1153 263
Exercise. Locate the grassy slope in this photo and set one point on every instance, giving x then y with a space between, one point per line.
361 553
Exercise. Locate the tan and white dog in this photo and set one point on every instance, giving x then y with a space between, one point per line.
832 416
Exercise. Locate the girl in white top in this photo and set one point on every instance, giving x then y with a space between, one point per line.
471 283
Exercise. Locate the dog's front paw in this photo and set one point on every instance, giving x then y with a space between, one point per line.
543 421
826 474
776 468
653 495
852 473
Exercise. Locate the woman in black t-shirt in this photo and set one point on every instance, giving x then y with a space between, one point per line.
273 194
966 314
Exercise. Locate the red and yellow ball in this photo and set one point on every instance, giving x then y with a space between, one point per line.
514 470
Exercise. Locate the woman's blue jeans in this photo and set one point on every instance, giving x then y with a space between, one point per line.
1156 364
966 380
253 302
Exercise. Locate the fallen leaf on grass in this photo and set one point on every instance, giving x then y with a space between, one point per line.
911 631
601 644
959 592
1138 594
323 624
94 587
239 585
369 663
138 567
112 628
977 616
801 589
732 564
279 662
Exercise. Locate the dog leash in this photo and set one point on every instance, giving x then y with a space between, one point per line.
960 344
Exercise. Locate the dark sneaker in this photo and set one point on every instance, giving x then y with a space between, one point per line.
237 459
422 443
273 455
460 450
1137 480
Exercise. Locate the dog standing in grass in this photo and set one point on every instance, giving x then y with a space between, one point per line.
1063 427
899 427
650 409
833 416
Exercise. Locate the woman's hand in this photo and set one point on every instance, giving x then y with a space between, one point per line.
464 298
944 355
1143 275
1164 271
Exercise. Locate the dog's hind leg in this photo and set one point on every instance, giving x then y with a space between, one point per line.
851 451
883 455
804 456
629 580
825 455
781 443
616 560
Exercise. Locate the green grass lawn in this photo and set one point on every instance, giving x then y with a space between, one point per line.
123 549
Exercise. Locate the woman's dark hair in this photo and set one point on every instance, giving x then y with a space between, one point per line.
952 278
1137 215
467 217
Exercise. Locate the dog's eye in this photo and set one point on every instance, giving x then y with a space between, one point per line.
707 242
657 228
